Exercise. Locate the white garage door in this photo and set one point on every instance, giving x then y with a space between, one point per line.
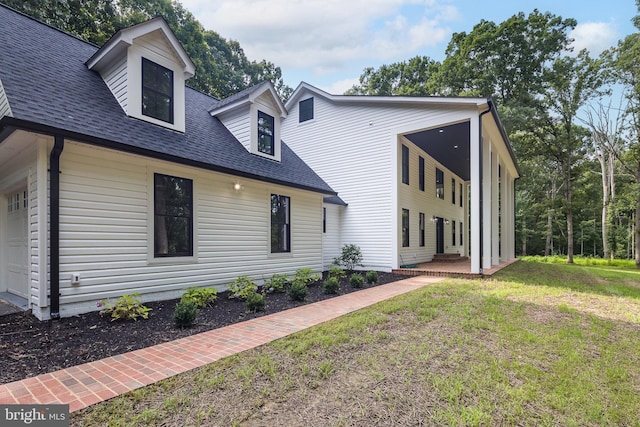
17 235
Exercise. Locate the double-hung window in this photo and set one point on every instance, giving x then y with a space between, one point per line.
173 216
453 233
439 184
405 164
422 240
266 133
280 224
421 173
405 228
157 91
453 191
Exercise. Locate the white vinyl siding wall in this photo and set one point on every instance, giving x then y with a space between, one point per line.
105 212
5 108
331 241
354 149
116 79
238 123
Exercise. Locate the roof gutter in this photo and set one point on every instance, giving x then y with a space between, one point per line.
54 230
490 105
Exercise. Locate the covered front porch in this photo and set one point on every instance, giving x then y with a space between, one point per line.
460 268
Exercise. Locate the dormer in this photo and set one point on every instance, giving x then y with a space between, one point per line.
145 67
253 116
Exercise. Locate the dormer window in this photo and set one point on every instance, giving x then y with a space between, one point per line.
157 91
266 131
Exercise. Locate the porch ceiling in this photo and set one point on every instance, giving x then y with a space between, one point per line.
449 145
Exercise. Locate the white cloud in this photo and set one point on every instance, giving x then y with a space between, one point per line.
593 36
341 86
326 35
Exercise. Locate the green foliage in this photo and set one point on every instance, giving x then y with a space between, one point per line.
414 77
298 291
276 283
201 297
337 272
127 307
185 313
372 276
255 302
330 285
305 276
356 280
242 287
350 257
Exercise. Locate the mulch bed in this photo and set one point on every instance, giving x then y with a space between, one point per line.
30 347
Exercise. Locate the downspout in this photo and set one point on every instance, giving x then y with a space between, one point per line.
490 103
54 218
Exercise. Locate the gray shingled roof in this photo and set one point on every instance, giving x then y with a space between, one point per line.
47 83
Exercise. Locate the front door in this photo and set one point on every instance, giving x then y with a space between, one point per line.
17 244
440 235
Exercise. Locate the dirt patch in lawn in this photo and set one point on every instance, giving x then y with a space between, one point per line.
30 347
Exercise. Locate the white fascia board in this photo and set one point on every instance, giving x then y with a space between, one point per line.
250 99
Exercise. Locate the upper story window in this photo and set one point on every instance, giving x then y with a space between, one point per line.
439 184
305 109
460 194
280 224
421 172
266 130
453 191
157 91
173 216
405 164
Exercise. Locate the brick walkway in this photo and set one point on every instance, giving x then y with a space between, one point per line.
90 383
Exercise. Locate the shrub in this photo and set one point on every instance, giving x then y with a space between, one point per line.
255 302
242 287
372 276
201 297
305 276
276 283
298 291
126 307
337 272
356 280
350 257
331 285
185 313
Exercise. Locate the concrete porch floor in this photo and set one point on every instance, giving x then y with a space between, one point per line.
460 268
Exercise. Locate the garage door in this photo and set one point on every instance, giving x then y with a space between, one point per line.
17 236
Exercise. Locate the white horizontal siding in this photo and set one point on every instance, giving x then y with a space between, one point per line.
157 43
331 239
238 123
105 229
353 148
5 108
116 79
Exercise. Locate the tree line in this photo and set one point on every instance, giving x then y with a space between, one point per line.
579 152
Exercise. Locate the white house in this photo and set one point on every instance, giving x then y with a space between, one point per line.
420 175
116 177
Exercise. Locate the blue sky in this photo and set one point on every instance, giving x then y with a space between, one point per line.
328 43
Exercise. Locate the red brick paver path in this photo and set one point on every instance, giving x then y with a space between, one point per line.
90 383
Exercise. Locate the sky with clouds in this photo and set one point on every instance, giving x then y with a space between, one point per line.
328 43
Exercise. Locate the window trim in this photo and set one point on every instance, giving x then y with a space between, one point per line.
405 164
439 184
461 194
406 241
263 115
421 173
152 88
453 191
461 233
422 229
453 233
181 256
305 118
287 226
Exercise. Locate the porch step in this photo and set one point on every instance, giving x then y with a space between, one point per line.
448 258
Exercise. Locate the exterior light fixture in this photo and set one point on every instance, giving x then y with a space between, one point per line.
237 186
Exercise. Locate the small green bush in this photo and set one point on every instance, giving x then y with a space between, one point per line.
372 276
201 297
127 307
255 302
356 280
350 257
242 287
305 276
298 291
330 285
276 283
337 272
185 313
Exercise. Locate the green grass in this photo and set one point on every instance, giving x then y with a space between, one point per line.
538 344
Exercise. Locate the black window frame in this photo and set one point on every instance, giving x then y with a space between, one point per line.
152 94
405 228
422 229
421 173
324 220
453 233
167 217
263 133
305 110
439 184
453 191
461 233
280 231
405 164
460 194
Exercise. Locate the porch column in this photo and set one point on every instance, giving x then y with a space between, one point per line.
511 220
476 182
495 193
486 203
504 214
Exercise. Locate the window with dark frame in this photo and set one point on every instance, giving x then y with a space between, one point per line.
173 216
266 133
453 191
405 164
453 233
280 224
461 233
305 109
439 184
405 228
421 172
422 226
157 91
324 220
460 194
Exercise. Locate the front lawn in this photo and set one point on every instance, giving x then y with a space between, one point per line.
538 344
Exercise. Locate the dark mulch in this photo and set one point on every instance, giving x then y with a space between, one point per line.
30 347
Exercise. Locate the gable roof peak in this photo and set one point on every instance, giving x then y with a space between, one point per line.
247 97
